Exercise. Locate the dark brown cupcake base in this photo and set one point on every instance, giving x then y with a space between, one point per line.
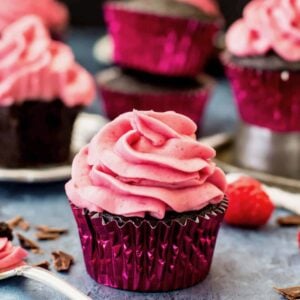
35 133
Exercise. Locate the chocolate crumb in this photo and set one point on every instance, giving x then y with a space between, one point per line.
289 293
27 243
44 264
18 221
47 236
62 261
47 229
5 231
37 251
292 220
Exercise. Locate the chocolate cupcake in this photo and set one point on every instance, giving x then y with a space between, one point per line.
178 40
124 90
263 66
53 13
42 89
148 202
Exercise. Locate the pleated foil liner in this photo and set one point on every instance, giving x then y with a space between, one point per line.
149 255
265 98
191 103
159 44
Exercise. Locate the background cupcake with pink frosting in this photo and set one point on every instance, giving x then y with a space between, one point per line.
148 202
263 65
42 89
53 13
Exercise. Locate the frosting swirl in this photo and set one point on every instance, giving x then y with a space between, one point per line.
146 162
34 67
267 25
10 256
53 13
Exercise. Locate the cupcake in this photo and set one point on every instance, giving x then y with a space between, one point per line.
42 89
124 90
54 14
263 66
148 202
177 40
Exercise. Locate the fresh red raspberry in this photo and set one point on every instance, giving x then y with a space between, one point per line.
249 206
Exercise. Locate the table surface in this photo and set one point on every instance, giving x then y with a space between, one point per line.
246 265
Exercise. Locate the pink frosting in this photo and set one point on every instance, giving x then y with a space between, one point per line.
10 256
208 6
53 13
146 162
32 66
267 25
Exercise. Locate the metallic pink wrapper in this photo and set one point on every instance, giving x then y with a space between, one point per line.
191 103
148 256
159 44
266 98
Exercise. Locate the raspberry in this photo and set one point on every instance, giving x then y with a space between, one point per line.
249 206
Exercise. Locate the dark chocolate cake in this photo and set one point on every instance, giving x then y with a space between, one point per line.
36 133
271 61
131 81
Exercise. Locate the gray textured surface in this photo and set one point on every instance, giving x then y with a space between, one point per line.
247 264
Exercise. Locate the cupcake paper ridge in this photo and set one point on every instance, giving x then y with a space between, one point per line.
271 25
146 162
32 66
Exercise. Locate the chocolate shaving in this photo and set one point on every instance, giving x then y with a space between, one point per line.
62 261
18 221
292 220
37 251
44 264
28 244
291 293
5 231
44 236
47 229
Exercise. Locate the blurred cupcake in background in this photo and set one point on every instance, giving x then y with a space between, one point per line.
42 89
176 40
124 90
263 65
53 13
148 202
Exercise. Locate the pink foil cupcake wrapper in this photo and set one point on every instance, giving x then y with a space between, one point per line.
170 46
266 98
191 104
148 257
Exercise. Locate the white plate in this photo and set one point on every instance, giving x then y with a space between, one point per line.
85 127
